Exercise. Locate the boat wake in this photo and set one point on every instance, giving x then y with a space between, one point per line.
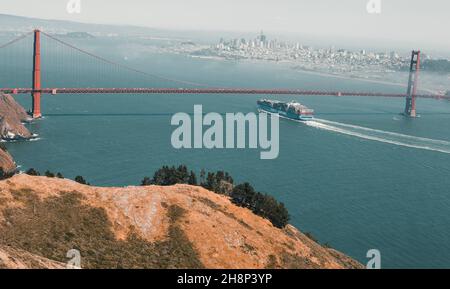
382 136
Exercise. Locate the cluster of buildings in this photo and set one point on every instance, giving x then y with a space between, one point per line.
331 59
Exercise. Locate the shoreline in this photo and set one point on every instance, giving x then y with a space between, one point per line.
313 72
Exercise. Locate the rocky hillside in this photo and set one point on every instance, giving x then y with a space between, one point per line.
12 258
7 164
144 227
12 116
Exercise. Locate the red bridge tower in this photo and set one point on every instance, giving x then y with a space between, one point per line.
410 108
36 93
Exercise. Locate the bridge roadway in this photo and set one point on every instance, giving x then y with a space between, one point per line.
210 91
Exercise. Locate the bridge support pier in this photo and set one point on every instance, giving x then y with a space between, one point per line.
410 107
36 93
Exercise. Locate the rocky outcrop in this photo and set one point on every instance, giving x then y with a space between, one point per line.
7 164
180 226
12 117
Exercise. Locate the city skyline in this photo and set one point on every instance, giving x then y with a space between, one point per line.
406 23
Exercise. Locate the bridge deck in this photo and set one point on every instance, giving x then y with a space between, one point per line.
209 91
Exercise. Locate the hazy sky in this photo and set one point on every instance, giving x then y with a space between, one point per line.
407 21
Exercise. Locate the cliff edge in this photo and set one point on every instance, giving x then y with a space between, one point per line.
7 164
12 116
181 226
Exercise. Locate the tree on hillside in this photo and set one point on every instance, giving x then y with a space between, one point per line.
81 180
146 181
168 176
202 176
269 208
220 182
243 195
192 179
261 204
49 174
32 172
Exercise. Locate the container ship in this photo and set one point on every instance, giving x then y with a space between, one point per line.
292 110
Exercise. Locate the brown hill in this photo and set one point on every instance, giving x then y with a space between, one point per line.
12 115
144 227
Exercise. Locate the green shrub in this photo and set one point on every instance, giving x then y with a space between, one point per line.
220 182
146 181
33 172
81 180
168 176
261 204
49 174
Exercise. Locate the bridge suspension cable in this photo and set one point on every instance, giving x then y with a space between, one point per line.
16 40
123 66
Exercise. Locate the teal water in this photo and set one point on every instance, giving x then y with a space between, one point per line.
362 177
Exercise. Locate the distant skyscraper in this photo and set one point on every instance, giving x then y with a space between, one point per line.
393 55
262 37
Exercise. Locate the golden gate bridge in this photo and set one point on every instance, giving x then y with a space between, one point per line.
36 90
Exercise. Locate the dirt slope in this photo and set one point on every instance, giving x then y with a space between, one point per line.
12 258
12 115
146 227
7 163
